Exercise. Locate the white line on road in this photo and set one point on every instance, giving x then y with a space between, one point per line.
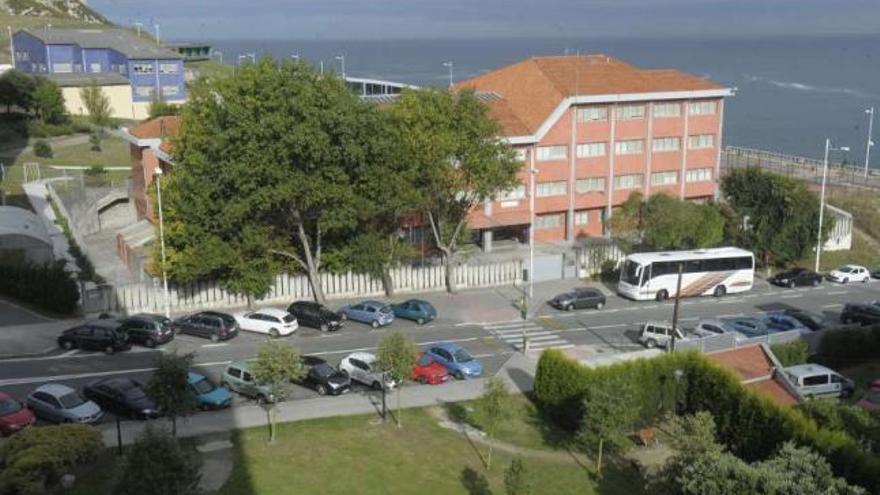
221 344
792 296
832 305
606 326
838 292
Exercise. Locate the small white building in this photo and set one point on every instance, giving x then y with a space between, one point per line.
840 237
23 237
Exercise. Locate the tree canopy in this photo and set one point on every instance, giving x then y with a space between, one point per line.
49 102
169 387
397 355
663 222
156 464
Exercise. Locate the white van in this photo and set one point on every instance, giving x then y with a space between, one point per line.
813 380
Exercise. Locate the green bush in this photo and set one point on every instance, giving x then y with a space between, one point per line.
849 346
156 464
34 460
43 150
40 130
791 353
48 286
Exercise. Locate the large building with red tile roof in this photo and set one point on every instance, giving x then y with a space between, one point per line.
593 129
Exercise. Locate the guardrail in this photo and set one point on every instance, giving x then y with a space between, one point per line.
724 342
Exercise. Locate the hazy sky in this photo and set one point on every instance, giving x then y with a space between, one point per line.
369 19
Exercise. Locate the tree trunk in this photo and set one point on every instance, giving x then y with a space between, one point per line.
250 301
449 272
317 287
599 459
489 454
397 416
387 282
270 415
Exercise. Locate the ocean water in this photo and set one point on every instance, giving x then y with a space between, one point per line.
791 93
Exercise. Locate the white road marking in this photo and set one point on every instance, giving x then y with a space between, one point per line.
832 305
607 326
792 296
838 292
220 344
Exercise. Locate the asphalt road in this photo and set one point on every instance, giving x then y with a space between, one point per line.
610 330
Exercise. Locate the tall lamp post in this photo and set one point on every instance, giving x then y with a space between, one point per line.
449 65
870 144
162 240
828 149
341 59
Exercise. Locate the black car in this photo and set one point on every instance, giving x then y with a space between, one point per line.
796 277
148 329
98 335
123 397
208 324
314 315
876 273
578 298
325 379
813 321
862 313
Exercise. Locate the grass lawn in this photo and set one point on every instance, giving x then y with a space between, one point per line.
862 253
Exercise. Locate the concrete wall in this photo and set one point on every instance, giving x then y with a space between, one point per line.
121 104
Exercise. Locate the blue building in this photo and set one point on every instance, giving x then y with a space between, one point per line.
108 57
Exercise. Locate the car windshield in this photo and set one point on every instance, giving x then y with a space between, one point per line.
203 386
630 273
324 370
71 400
134 393
748 329
9 406
425 360
462 356
385 309
846 269
288 318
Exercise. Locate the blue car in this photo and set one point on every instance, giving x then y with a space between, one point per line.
750 327
416 310
783 323
456 360
373 313
208 395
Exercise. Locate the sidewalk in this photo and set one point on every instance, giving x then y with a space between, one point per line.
38 194
518 373
21 341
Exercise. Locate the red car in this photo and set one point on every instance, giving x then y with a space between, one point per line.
429 371
871 400
14 416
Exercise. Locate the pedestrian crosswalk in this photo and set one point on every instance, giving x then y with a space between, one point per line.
539 337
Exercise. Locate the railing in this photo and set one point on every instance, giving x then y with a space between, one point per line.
724 342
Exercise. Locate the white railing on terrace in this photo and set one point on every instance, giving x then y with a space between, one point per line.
728 341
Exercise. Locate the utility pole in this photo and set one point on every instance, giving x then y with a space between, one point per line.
449 65
870 112
11 46
675 308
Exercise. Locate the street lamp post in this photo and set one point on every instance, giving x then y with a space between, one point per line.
341 59
532 172
449 66
162 240
870 144
828 149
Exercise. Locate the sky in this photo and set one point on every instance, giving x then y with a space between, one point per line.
456 19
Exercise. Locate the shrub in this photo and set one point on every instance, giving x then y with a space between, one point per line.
42 149
35 459
157 465
48 286
791 353
849 346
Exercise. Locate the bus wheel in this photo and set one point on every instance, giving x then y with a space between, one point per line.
720 291
662 295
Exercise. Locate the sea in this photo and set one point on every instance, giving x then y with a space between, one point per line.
791 92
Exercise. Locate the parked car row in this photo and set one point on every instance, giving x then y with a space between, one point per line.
660 334
797 277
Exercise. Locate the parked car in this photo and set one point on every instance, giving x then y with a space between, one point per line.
97 335
813 321
713 327
871 400
58 403
778 322
867 313
849 273
373 313
148 330
208 395
578 299
659 334
14 416
813 380
323 378
361 367
457 361
208 324
876 273
239 378
269 321
428 371
314 315
749 327
123 397
416 310
796 277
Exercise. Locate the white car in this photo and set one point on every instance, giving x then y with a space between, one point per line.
270 321
849 273
361 367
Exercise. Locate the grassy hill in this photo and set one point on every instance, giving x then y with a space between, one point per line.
59 9
17 22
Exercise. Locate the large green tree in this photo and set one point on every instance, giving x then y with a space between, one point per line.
17 88
156 464
277 365
49 102
663 222
608 415
266 167
452 142
775 216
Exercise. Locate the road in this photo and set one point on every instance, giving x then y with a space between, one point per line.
607 331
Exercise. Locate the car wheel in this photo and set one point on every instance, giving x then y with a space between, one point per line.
791 285
323 327
108 350
420 321
720 291
815 282
150 343
662 295
321 389
865 280
650 343
215 338
343 316
68 345
374 324
600 305
569 307
459 375
262 400
377 386
273 332
846 280
423 380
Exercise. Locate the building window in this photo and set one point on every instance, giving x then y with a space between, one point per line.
664 178
548 222
630 112
122 69
546 189
662 110
582 217
633 181
702 108
701 141
631 147
167 68
170 90
62 68
546 153
590 149
590 184
142 68
95 67
517 193
592 114
520 154
699 175
667 144
145 91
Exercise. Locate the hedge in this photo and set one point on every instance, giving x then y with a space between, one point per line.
791 353
32 461
46 286
751 426
849 346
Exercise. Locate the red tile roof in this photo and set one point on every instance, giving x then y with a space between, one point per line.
164 128
755 369
773 391
530 90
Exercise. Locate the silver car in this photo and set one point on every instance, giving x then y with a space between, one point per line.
361 367
59 403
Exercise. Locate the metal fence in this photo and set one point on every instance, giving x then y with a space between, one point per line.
728 341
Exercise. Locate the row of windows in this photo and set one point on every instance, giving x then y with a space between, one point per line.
623 147
636 112
697 266
556 220
147 68
150 91
597 184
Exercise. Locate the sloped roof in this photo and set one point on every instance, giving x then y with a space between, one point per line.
158 128
755 368
121 40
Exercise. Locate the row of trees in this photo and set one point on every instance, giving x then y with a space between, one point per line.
33 94
281 168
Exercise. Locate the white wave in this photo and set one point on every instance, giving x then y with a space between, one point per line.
798 86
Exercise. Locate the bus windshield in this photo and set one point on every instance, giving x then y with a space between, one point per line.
630 272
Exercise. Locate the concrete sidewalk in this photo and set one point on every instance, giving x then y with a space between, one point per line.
518 373
22 341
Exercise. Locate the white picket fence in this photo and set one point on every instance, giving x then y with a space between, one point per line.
141 297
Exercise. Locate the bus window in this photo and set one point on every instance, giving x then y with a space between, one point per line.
630 273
